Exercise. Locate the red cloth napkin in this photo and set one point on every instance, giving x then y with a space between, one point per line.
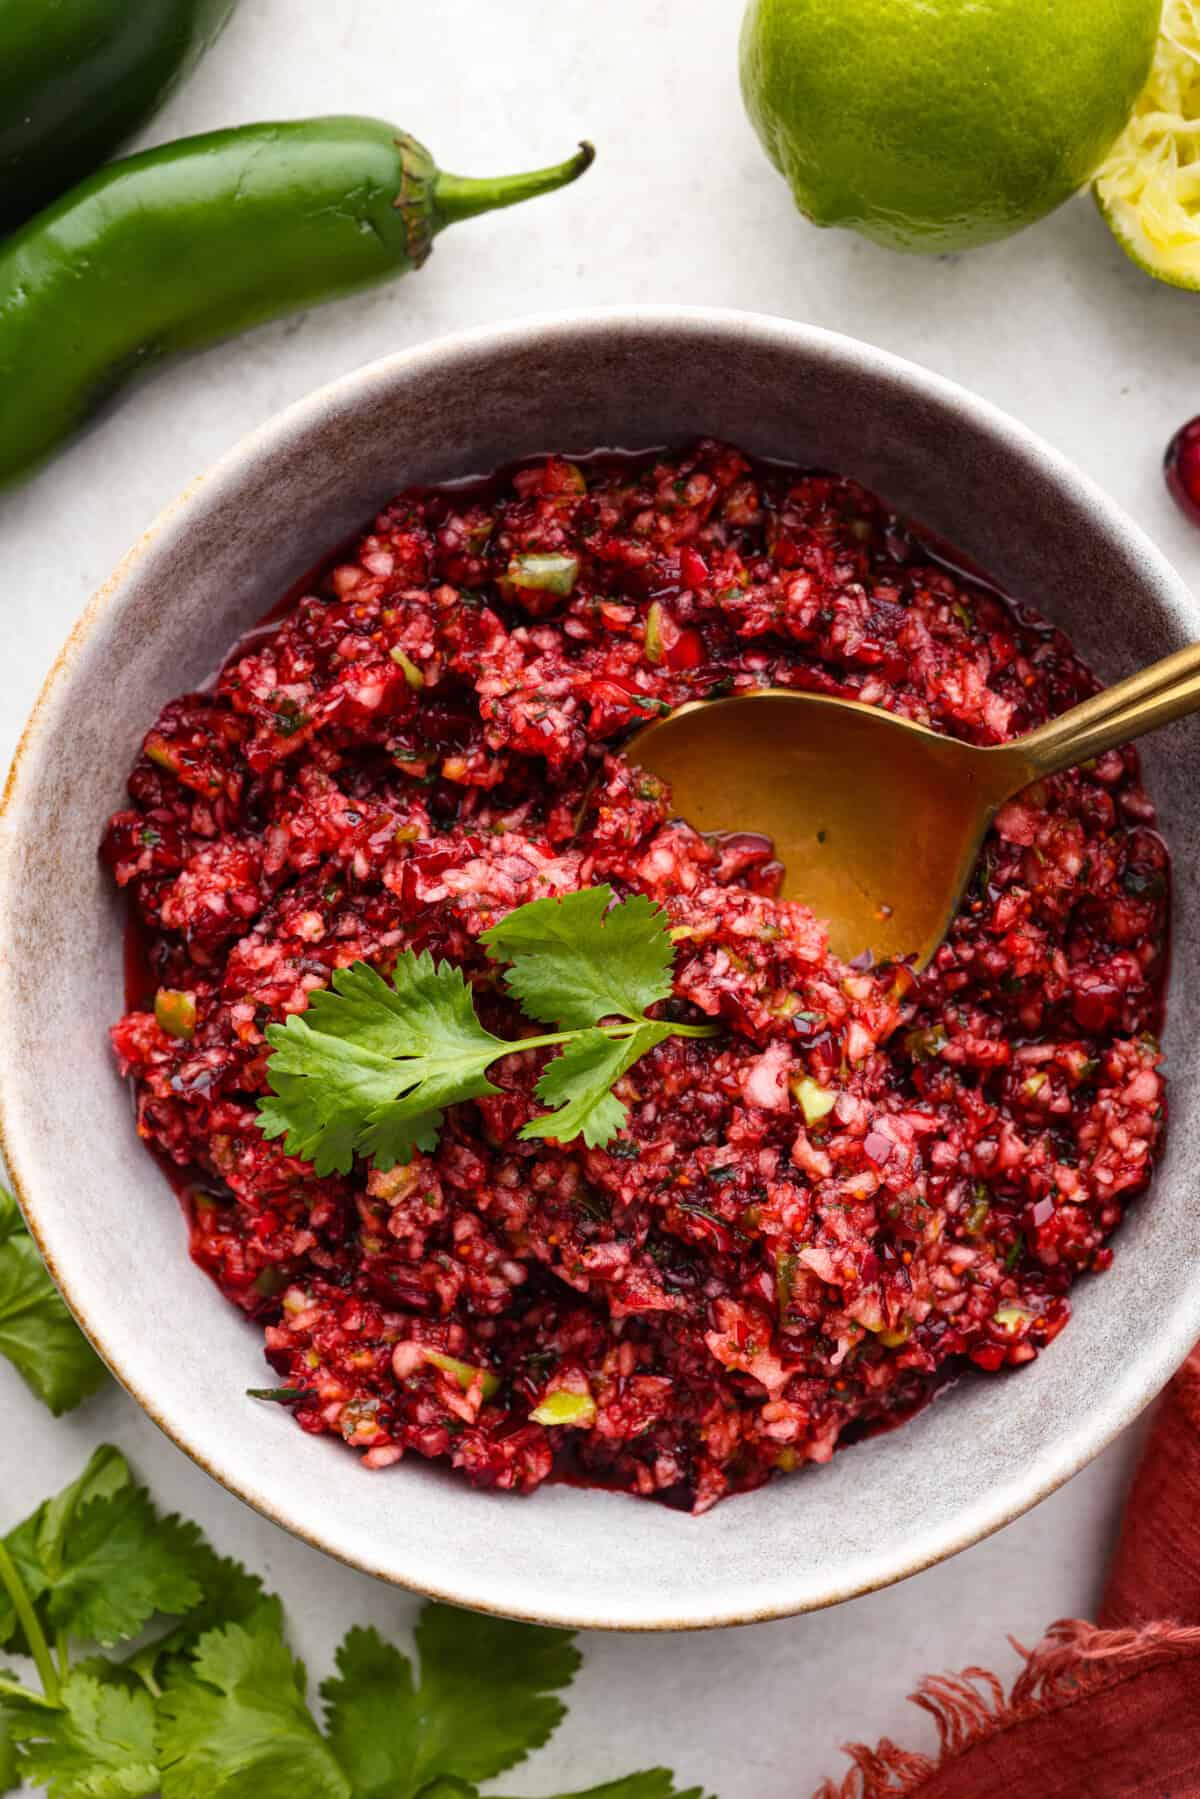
1109 1710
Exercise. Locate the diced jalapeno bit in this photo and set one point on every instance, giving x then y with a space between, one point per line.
815 1101
159 751
545 573
924 1045
977 1216
654 640
565 1408
1011 1318
786 1265
465 1373
412 673
175 1012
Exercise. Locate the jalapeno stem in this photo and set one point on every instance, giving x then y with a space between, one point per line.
461 197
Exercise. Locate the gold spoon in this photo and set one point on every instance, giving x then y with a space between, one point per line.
878 822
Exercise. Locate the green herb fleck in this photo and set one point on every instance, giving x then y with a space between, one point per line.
1015 1252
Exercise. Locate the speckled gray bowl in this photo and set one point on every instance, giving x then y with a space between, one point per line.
109 1226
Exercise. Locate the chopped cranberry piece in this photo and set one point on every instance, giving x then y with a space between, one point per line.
693 570
1097 1006
687 651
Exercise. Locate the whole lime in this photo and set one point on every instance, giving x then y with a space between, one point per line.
941 124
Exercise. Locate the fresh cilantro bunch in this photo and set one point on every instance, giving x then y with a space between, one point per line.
37 1333
371 1066
203 1697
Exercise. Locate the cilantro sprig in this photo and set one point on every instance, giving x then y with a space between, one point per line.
371 1066
210 1700
37 1333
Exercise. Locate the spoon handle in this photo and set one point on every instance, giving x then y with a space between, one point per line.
1156 696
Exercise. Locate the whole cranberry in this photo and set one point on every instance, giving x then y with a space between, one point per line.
1181 465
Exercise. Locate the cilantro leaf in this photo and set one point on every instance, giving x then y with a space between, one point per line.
37 1333
370 1067
324 1089
575 962
237 1725
427 1010
482 1704
36 1544
318 1119
394 1133
339 1070
98 1562
106 1473
11 1222
231 1595
484 1699
233 1721
99 1746
120 1565
369 1711
578 1084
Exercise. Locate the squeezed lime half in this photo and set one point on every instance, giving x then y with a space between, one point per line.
1149 185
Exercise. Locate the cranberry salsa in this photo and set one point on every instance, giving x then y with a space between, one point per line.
860 1184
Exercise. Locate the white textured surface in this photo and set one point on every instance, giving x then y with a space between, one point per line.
1055 326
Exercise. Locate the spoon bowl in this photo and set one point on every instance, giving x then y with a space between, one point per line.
879 821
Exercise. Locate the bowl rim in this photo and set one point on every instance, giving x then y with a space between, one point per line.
1176 1333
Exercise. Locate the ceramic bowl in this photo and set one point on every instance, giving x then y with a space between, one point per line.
108 1224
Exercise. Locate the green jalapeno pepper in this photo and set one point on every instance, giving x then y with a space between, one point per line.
178 247
77 77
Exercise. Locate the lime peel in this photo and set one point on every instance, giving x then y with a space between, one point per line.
1148 187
